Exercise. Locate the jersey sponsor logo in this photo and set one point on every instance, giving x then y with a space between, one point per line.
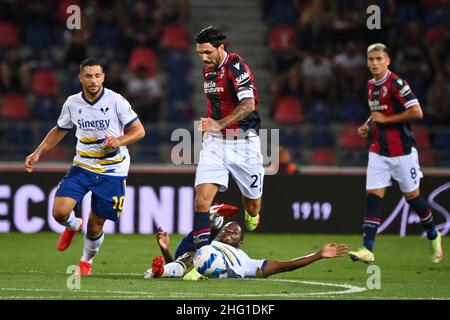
242 78
211 87
93 124
375 105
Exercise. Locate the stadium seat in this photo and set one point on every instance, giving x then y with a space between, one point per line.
323 157
349 139
8 34
352 110
175 36
46 108
177 63
38 36
288 110
143 57
422 137
281 13
426 158
280 37
321 137
43 83
14 106
290 138
59 152
319 112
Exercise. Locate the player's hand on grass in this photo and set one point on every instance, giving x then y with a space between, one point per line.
162 238
333 250
30 160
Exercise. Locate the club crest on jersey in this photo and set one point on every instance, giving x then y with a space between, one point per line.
104 110
383 91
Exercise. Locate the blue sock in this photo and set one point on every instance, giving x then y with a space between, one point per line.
201 230
371 220
422 208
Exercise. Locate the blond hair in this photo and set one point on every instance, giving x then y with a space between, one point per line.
378 47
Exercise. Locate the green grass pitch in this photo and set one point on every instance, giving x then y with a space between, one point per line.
32 268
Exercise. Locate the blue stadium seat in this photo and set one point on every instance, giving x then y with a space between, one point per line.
38 36
352 110
290 138
177 62
319 112
281 13
46 108
321 138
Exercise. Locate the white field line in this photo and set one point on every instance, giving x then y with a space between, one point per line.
347 289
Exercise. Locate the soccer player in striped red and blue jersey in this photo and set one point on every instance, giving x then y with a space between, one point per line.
231 142
392 152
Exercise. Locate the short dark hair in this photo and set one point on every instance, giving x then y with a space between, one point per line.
89 62
213 35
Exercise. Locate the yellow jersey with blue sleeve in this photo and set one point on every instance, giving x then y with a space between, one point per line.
108 115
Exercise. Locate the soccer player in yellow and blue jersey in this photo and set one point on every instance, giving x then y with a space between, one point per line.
105 125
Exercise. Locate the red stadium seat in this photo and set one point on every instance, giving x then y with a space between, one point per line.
14 106
349 139
280 37
288 110
422 137
143 57
426 158
175 36
8 34
323 157
59 152
44 83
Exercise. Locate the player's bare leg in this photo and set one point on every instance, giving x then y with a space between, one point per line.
252 208
92 242
63 213
204 196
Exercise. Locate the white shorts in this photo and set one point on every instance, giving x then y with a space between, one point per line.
242 158
404 169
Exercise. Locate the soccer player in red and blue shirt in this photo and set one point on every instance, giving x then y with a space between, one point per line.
392 154
231 143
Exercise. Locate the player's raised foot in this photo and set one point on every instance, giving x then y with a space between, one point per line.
436 249
251 223
85 268
224 210
65 239
363 255
157 269
194 275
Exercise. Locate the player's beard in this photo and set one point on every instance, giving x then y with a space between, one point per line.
93 91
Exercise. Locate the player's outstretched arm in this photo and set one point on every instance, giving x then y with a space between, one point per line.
133 133
162 238
54 136
330 250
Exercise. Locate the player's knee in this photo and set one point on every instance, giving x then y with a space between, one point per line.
202 203
60 214
411 195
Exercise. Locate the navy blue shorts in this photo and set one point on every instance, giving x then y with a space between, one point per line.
108 193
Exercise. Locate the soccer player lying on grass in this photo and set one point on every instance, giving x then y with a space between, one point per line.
237 264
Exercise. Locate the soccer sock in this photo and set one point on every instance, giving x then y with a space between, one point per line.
201 230
422 208
71 222
91 248
173 269
371 220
